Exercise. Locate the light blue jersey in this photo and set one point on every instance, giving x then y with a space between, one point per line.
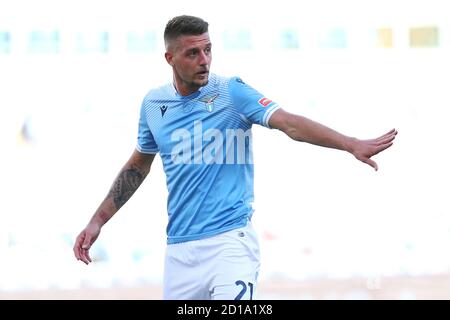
205 143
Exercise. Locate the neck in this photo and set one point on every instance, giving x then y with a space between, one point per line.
184 89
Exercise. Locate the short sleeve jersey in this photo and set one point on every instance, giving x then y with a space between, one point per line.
205 143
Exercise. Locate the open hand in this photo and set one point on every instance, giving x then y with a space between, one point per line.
363 150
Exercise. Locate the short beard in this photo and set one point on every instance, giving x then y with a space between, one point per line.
196 86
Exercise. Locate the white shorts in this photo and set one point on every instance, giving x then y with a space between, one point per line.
222 267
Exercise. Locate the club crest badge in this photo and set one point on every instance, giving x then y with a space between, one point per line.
209 102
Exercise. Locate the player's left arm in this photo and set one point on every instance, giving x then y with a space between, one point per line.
302 129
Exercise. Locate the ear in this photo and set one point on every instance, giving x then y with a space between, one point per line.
169 58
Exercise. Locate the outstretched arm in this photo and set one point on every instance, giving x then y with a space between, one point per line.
300 128
126 183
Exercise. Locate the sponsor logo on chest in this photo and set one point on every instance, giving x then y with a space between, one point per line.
211 146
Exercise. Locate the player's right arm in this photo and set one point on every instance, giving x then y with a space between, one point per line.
126 183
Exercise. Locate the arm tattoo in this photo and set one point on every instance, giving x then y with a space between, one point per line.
125 185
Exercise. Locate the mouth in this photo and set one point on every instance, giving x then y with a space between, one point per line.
203 73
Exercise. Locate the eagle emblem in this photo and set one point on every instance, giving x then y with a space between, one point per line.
209 102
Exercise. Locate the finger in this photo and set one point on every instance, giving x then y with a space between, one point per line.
386 140
86 244
75 251
81 256
371 163
85 249
88 241
77 247
382 147
393 130
78 253
84 257
393 133
88 256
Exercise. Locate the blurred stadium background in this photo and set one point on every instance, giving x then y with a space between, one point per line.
73 75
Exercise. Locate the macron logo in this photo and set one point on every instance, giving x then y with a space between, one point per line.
211 146
163 110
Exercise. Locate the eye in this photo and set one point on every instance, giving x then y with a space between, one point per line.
192 53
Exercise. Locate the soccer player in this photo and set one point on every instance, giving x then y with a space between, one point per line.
200 124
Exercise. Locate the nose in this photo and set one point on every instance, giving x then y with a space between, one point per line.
204 58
